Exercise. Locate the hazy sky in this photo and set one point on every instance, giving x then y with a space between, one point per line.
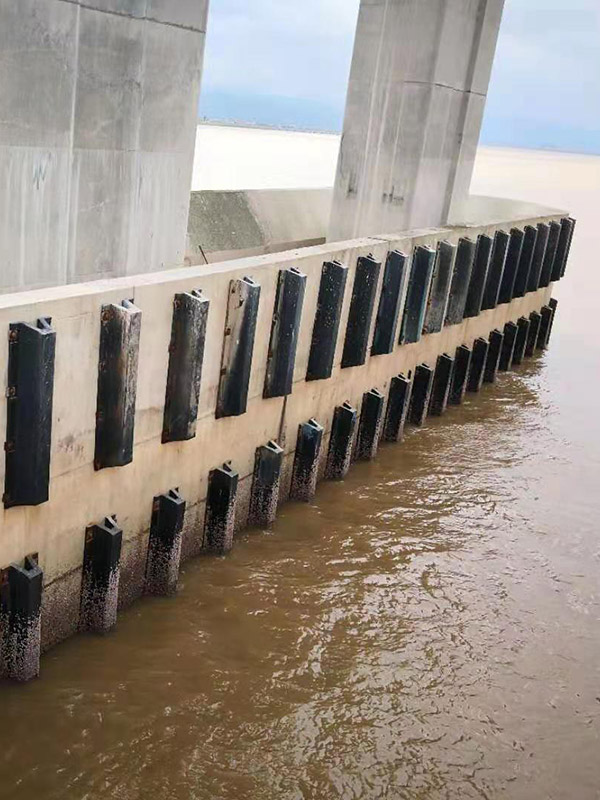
287 62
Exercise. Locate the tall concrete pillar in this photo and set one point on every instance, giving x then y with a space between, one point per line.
415 102
99 104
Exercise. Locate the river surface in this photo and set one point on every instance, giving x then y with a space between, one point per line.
428 629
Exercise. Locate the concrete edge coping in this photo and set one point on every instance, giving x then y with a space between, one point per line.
128 283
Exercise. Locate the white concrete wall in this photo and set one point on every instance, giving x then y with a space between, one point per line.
416 96
80 496
97 129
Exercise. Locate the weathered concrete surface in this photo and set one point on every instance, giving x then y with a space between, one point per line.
97 136
79 495
415 102
236 224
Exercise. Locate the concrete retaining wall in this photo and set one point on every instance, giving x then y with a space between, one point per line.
80 496
236 224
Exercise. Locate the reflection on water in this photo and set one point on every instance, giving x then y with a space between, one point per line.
427 629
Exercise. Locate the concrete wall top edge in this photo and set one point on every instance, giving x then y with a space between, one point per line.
127 285
262 192
488 210
230 224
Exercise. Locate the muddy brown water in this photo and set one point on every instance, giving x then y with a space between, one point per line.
429 628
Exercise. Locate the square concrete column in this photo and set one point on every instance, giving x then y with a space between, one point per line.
415 102
99 112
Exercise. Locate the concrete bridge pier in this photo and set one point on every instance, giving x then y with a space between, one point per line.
99 109
416 96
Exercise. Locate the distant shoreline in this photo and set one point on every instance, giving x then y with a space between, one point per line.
233 123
